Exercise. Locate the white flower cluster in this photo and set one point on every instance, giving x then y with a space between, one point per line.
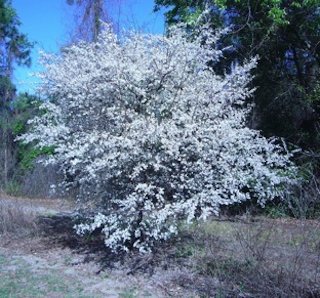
151 134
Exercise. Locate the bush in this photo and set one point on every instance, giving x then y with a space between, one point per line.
305 202
151 134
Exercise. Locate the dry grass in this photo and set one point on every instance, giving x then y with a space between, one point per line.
265 258
260 257
18 216
16 219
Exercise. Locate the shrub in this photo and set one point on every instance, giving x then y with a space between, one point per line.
151 134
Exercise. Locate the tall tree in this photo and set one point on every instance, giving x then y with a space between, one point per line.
14 45
14 49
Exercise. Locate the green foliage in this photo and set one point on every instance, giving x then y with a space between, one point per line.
26 107
14 49
15 46
12 188
6 86
275 10
277 211
23 108
28 154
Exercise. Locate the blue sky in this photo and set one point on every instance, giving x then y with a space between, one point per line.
49 24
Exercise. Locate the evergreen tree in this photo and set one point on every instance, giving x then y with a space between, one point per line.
14 49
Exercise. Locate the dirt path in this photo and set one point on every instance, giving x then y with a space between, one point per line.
31 266
29 269
38 206
217 258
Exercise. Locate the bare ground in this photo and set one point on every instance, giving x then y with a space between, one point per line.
33 266
255 257
31 269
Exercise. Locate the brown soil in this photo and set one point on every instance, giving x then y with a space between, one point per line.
48 260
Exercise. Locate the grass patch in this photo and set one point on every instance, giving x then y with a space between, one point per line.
261 258
17 279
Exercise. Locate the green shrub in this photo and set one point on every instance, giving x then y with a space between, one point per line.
13 188
27 155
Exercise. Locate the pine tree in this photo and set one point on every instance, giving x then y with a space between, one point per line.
14 49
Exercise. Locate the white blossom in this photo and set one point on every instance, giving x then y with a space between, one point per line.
151 135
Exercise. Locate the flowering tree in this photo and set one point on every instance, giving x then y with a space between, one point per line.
151 134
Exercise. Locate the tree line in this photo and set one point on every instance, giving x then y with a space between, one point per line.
285 36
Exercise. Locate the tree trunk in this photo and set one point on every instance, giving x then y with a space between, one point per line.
6 133
98 10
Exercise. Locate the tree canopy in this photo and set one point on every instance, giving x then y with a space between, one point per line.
14 49
14 45
285 35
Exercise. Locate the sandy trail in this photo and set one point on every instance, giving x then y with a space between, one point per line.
31 266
